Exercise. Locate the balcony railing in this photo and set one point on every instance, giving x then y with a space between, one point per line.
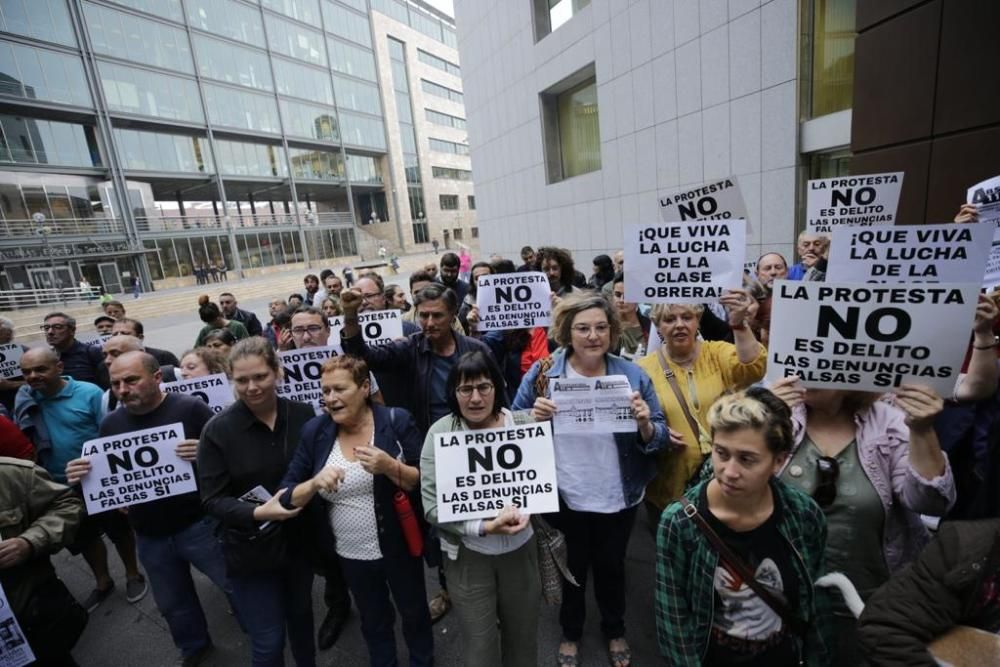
67 227
34 298
196 222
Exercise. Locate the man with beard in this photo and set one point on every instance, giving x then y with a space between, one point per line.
450 267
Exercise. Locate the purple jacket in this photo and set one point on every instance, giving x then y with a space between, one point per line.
884 451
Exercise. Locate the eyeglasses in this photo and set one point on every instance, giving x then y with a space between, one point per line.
369 297
585 329
313 329
465 390
827 473
54 327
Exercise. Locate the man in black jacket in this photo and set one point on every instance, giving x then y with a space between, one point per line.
232 311
956 581
81 362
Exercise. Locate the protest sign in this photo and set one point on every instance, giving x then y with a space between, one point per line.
684 262
135 468
303 370
870 337
721 200
10 361
478 473
947 253
852 200
14 648
94 339
214 390
986 196
379 327
593 405
513 301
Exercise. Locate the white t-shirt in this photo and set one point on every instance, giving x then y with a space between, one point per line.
352 509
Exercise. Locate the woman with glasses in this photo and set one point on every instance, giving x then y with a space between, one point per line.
491 565
743 525
874 468
689 374
601 476
357 458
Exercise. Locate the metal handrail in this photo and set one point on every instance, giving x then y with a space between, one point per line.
33 298
166 223
62 227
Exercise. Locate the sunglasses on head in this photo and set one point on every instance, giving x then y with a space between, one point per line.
827 473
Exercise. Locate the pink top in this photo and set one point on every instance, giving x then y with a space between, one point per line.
464 262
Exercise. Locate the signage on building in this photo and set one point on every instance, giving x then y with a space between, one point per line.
66 250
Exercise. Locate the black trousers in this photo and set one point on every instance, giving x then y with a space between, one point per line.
335 593
595 542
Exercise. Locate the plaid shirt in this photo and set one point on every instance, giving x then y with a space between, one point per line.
685 574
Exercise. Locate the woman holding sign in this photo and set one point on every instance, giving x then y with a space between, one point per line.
362 459
242 456
491 565
601 476
689 375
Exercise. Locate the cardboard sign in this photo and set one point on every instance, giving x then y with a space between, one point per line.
870 337
14 648
720 200
480 472
214 390
513 301
848 201
986 196
684 262
593 405
94 339
947 253
303 370
10 361
379 327
135 468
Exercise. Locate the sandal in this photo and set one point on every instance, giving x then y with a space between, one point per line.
621 657
568 659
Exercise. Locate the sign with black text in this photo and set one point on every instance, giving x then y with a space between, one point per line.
720 200
593 405
947 253
135 468
94 339
303 371
684 262
14 648
214 390
10 361
986 196
513 301
480 472
848 201
870 337
379 327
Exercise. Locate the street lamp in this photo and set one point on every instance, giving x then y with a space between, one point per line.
43 231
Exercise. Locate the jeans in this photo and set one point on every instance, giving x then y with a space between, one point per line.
271 602
168 562
595 542
370 582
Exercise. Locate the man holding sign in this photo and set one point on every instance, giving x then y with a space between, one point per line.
172 532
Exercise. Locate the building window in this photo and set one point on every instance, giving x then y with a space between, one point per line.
442 146
475 232
570 126
832 67
439 63
449 202
443 92
444 119
550 15
450 174
456 233
472 203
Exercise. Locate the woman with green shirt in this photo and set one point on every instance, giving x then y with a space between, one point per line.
491 565
211 315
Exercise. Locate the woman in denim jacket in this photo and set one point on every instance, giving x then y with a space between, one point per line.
601 476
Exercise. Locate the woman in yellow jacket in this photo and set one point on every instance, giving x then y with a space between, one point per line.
691 373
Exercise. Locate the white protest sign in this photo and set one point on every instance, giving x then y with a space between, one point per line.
480 472
94 339
986 196
870 337
684 262
379 327
303 370
214 390
593 405
14 648
10 361
721 200
513 301
852 201
135 468
947 253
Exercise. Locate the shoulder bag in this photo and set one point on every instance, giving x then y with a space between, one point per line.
553 563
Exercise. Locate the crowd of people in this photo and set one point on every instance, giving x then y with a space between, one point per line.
753 491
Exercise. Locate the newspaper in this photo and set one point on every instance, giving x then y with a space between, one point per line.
14 648
593 405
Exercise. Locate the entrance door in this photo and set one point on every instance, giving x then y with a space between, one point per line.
57 277
110 279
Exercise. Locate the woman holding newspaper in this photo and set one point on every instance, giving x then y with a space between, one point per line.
491 565
242 456
601 475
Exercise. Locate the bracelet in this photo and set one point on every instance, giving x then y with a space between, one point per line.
996 342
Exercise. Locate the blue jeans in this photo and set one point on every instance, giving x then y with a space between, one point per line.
371 581
168 562
267 604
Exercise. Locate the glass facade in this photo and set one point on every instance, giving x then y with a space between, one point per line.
41 74
306 11
29 140
146 93
315 165
362 130
232 107
345 23
444 119
296 41
365 170
408 137
225 61
47 20
357 95
227 18
442 146
349 59
126 36
239 158
159 151
168 9
443 92
440 63
300 80
306 120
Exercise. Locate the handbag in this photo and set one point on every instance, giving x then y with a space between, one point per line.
553 560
